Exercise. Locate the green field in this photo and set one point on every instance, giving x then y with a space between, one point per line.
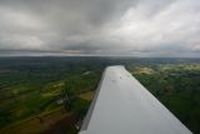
50 95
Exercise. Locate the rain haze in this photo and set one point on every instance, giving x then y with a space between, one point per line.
146 28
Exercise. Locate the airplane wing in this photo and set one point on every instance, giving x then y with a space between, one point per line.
123 106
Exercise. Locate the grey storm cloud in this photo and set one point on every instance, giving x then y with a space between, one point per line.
101 27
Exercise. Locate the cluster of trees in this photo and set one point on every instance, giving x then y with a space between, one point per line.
31 85
178 90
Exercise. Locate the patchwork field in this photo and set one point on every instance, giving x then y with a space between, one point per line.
53 94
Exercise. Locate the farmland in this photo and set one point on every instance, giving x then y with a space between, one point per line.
52 94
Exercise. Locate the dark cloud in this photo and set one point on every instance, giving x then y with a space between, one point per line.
100 27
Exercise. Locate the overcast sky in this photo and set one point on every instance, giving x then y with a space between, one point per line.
166 28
